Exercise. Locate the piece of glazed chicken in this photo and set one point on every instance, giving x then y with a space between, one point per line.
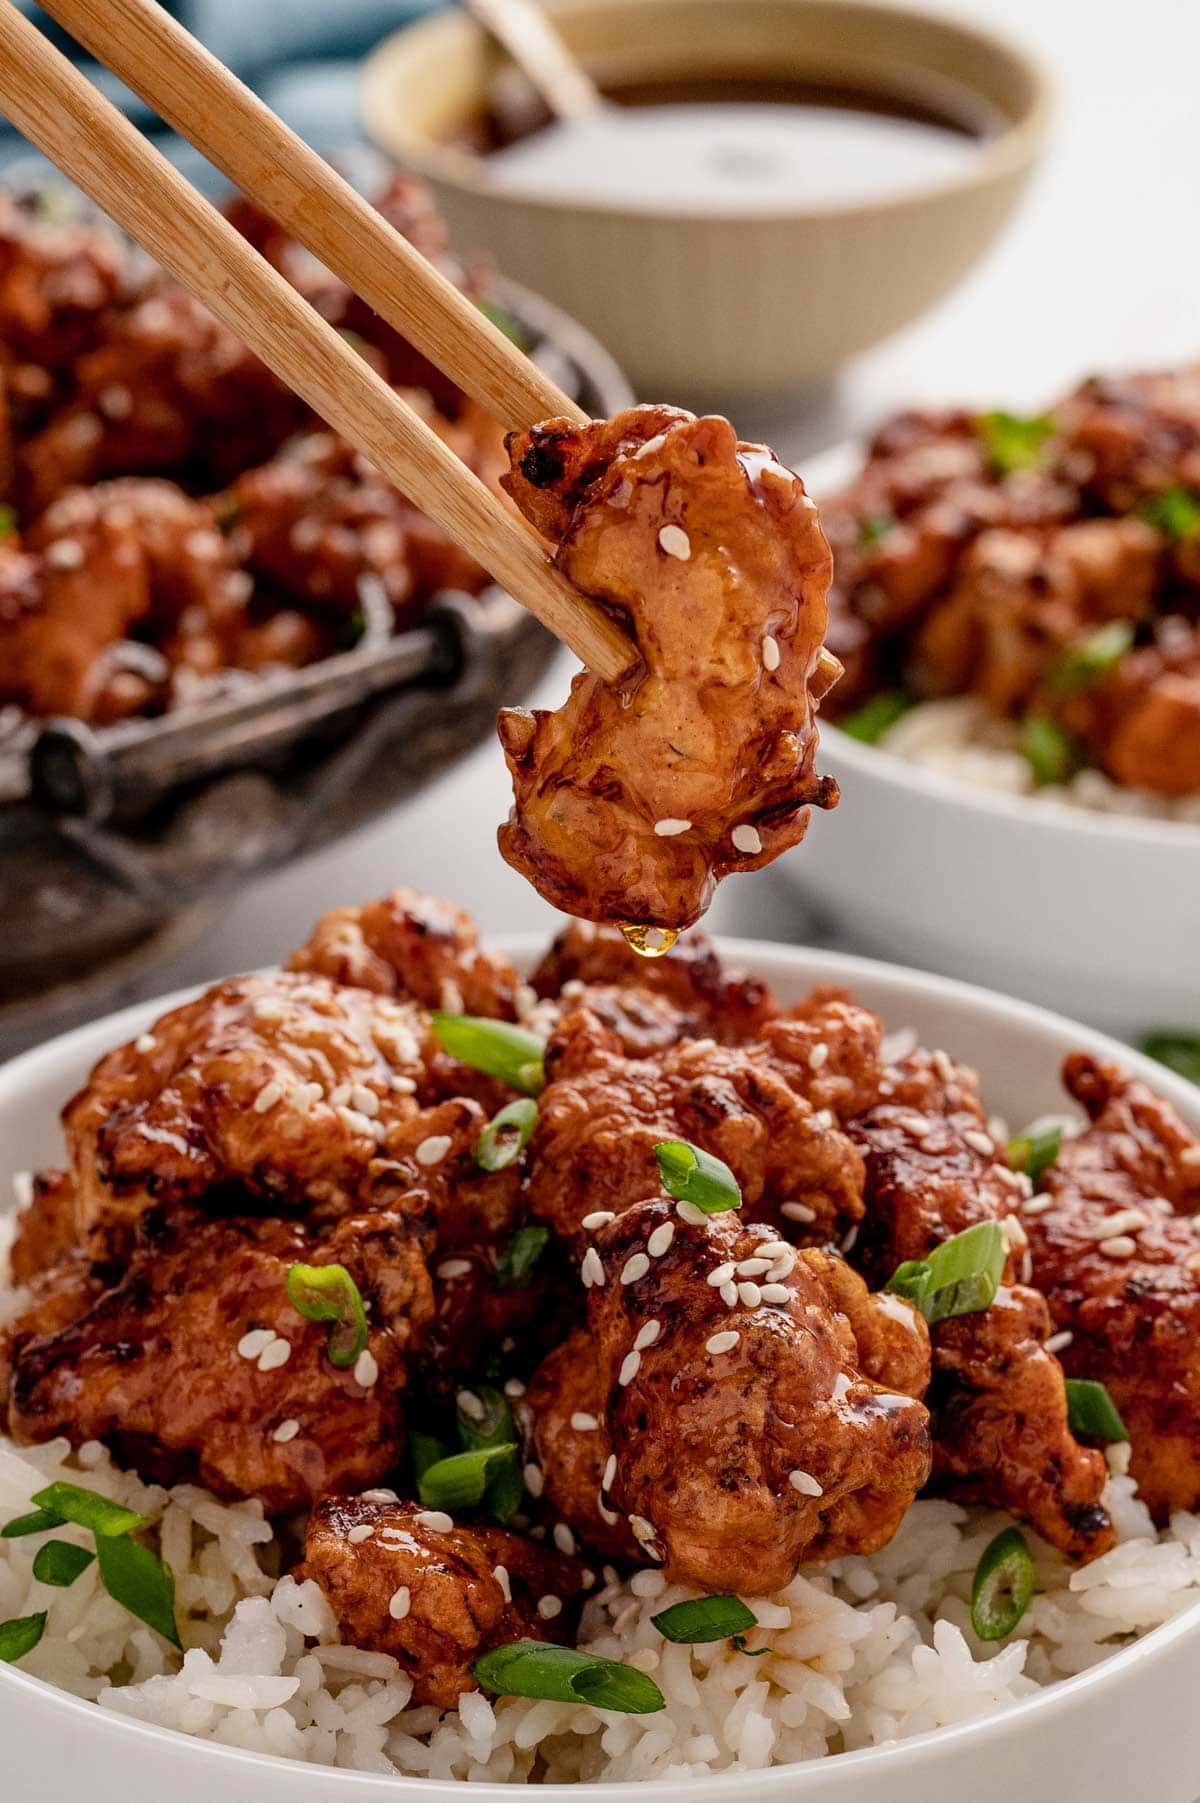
632 803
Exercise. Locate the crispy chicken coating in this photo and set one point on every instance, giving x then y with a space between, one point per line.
632 804
47 1228
750 1435
407 1581
1141 722
564 1421
1116 1254
194 1363
602 1114
57 281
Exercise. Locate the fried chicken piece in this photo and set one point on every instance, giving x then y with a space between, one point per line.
160 1367
46 1228
563 1418
434 1595
602 1114
57 282
1140 722
727 1003
1135 435
282 1087
711 550
740 1432
1117 1257
415 946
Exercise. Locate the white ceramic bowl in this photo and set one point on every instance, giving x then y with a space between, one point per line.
1095 914
1127 1729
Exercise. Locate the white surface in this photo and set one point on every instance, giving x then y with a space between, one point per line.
1126 1730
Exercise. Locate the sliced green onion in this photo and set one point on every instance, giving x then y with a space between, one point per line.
108 1520
738 1643
506 1135
60 1562
329 1293
8 520
495 1048
1049 750
960 1277
1092 1412
872 527
530 1668
504 321
505 1489
140 1582
704 1618
20 1636
1003 1586
1180 1052
693 1175
1014 442
39 1522
1175 512
876 717
425 1450
516 1263
1035 1152
461 1481
1084 663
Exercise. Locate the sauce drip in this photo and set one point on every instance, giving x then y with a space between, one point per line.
650 942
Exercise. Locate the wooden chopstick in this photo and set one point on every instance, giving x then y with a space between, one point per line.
208 105
59 110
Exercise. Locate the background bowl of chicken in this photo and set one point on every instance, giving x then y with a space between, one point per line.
1125 1727
1090 911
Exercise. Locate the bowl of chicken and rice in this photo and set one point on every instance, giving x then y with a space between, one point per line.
764 1371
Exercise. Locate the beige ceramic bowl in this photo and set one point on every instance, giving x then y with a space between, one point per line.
702 303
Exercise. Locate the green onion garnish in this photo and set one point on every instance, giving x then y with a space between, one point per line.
1003 1586
738 1642
60 1562
960 1277
461 1481
1092 1412
329 1293
140 1582
20 1636
1175 512
872 527
505 1489
107 1520
692 1175
504 321
704 1618
869 722
1180 1052
1091 658
530 1668
495 1048
8 520
1035 1152
40 1521
516 1263
1012 442
425 1450
1049 750
506 1135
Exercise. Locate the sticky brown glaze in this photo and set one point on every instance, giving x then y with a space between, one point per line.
435 1599
1115 1251
706 1434
47 1227
152 1365
564 1420
602 1114
710 552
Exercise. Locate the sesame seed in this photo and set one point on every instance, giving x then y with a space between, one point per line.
805 1483
1058 1342
600 1217
400 1603
725 1341
583 1423
775 1292
824 1117
720 1275
1189 1158
380 1496
591 1270
22 1184
64 554
145 1042
643 1530
1119 1246
849 1239
631 1364
434 1149
943 1066
773 1249
675 542
635 1267
564 1539
470 1405
500 1573
436 1520
268 1095
514 1387
1037 1205
535 1483
915 1124
798 1211
753 1267
362 1531
451 1268
770 653
256 1341
365 1100
549 1606
660 1240
980 1142
818 1056
670 828
749 1295
728 1294
610 1471
276 1354
646 1335
1125 1221
366 1369
687 1211
356 1122
287 1430
746 839
647 1583
304 1096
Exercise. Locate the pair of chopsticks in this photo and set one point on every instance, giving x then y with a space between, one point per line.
59 111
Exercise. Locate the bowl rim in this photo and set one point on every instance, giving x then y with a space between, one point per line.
823 474
777 961
1009 153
